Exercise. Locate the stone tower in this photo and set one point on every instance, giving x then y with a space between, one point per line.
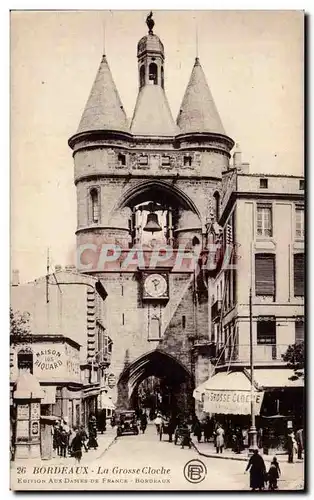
145 191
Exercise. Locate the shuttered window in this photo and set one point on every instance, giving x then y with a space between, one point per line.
299 274
265 274
299 331
299 222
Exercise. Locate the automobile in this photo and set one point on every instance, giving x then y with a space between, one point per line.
127 423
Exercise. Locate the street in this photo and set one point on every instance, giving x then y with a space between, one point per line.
144 462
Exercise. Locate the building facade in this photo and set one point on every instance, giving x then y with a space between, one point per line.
67 347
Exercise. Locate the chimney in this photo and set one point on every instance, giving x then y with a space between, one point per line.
58 268
237 157
15 277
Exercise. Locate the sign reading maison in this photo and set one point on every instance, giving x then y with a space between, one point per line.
48 359
232 402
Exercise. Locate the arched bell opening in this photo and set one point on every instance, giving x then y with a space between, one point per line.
157 211
156 382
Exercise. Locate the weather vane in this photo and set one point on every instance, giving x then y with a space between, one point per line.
150 23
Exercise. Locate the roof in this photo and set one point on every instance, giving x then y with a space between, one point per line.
104 109
149 43
152 115
198 112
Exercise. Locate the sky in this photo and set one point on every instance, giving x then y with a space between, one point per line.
253 61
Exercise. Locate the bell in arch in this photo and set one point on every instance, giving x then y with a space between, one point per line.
152 224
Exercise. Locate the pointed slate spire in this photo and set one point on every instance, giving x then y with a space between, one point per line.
198 112
103 110
152 115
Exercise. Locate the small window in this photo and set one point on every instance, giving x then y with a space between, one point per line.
162 77
165 160
152 72
266 331
121 159
25 360
298 274
143 160
265 274
142 76
263 183
217 205
187 161
264 220
122 318
299 330
95 205
183 321
301 184
299 222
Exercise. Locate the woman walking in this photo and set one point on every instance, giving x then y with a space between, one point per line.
257 469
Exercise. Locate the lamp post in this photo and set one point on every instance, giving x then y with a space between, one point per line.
252 431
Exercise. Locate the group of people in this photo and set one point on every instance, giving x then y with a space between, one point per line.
259 477
70 441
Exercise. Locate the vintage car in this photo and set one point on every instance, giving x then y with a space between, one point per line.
127 423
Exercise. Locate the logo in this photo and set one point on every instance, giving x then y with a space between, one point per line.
195 471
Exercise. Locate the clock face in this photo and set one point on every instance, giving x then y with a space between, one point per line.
155 285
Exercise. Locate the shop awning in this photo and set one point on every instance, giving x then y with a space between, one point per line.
229 393
276 378
106 402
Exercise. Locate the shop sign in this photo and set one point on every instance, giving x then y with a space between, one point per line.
35 411
22 412
48 359
232 402
35 428
22 429
111 380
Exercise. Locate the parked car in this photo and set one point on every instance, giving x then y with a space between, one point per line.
127 423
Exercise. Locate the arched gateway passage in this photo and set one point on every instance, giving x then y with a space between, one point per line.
174 378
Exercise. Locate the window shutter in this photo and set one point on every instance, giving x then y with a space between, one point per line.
299 274
299 332
265 274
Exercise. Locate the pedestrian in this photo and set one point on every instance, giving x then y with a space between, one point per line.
220 440
64 442
76 446
197 429
56 438
67 431
92 432
143 424
208 429
257 469
185 435
273 474
171 427
291 446
84 437
300 442
158 422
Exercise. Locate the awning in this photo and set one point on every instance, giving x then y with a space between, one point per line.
276 378
106 402
229 393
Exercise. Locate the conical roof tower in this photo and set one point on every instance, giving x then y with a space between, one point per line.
152 115
103 111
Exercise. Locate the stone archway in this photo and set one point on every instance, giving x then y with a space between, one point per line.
161 365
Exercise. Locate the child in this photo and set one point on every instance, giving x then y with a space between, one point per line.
273 474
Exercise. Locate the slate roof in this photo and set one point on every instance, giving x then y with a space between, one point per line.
103 110
198 112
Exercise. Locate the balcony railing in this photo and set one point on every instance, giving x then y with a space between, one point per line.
216 309
262 353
